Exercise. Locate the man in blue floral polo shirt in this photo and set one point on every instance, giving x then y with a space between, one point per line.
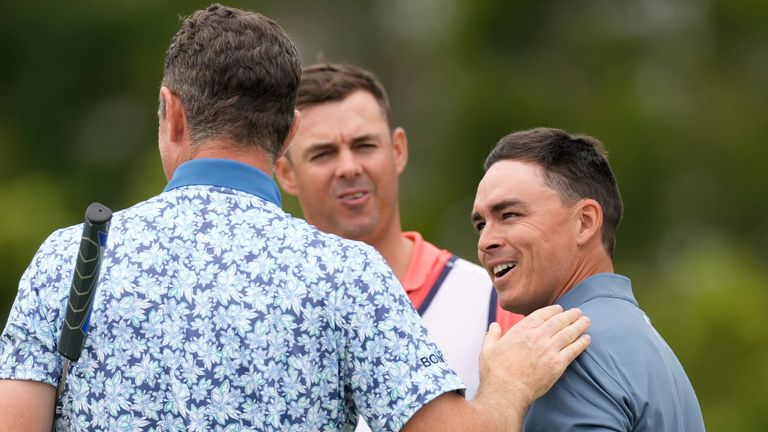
217 311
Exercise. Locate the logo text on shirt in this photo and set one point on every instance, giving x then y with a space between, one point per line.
432 359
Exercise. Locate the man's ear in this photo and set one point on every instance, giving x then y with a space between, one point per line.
291 133
283 165
400 148
174 117
589 219
285 176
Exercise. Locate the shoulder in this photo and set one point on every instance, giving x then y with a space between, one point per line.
346 261
60 245
593 389
617 326
50 271
625 349
62 239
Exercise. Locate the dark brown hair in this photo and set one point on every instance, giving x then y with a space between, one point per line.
576 166
237 75
329 82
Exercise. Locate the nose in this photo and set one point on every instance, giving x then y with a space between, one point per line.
489 240
348 165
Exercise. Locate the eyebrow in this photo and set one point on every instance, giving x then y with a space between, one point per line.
314 148
497 208
320 146
365 138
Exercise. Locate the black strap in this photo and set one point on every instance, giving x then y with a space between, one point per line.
492 307
436 286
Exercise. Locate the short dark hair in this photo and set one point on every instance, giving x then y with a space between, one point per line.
576 166
331 82
237 75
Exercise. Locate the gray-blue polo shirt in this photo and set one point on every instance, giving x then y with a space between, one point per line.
627 380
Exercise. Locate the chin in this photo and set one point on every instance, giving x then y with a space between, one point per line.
509 304
352 232
516 305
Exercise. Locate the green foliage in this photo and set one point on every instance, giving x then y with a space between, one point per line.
677 91
708 299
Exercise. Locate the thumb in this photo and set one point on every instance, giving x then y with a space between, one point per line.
491 337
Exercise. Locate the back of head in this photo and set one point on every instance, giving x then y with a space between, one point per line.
236 73
328 82
576 166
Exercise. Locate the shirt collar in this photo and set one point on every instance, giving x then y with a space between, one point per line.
228 174
425 260
597 286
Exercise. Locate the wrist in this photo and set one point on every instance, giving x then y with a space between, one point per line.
504 406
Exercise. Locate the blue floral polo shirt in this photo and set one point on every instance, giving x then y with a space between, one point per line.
217 311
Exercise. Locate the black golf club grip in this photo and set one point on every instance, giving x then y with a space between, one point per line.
84 281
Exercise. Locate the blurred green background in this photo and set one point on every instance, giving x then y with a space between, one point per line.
677 91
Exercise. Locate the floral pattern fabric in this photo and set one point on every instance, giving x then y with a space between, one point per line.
217 311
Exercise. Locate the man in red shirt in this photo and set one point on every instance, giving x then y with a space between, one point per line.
344 165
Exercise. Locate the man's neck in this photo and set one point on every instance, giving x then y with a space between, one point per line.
591 265
255 157
396 250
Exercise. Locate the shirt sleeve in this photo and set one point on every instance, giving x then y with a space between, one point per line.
28 342
391 365
586 398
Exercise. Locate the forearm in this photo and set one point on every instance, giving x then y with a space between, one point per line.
450 412
26 406
504 406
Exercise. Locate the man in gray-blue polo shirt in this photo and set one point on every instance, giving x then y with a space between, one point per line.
546 211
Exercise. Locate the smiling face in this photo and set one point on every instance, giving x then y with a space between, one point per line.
529 239
343 164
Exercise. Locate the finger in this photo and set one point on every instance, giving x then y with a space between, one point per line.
560 321
571 351
491 337
572 331
540 316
